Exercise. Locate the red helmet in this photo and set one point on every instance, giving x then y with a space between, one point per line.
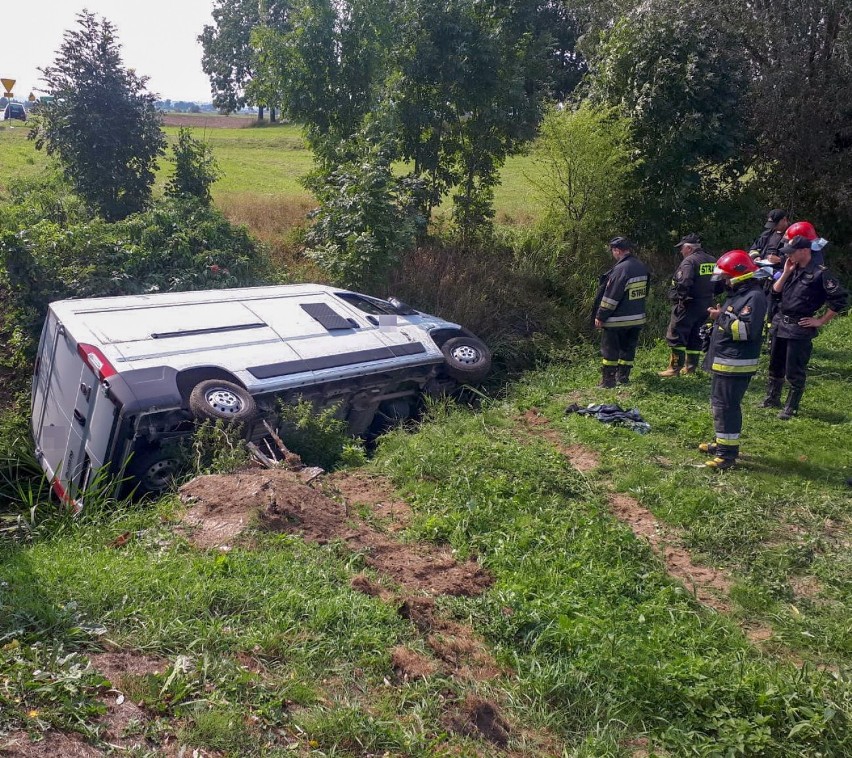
801 229
736 264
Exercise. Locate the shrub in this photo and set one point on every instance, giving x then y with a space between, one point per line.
195 169
318 436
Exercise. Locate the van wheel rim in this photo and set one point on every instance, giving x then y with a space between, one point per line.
159 474
466 354
224 401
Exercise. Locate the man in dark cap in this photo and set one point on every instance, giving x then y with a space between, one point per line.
620 312
768 245
801 290
691 294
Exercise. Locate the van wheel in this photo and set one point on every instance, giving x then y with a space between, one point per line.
468 359
216 400
155 470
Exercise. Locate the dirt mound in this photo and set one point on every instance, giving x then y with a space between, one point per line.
225 504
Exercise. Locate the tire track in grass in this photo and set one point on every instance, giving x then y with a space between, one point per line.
362 512
710 586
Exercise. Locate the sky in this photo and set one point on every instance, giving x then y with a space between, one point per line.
158 39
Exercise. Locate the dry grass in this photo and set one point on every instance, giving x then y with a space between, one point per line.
278 222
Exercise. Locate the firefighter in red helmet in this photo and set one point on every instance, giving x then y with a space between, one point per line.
734 352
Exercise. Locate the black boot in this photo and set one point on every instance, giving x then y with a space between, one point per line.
608 377
773 393
624 373
691 363
791 408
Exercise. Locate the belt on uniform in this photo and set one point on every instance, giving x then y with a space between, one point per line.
791 319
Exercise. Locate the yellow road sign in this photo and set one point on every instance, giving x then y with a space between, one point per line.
8 84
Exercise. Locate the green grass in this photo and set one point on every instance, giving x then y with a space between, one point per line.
605 649
261 162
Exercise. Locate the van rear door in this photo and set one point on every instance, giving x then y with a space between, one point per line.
56 418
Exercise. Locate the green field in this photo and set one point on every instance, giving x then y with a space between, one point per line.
261 167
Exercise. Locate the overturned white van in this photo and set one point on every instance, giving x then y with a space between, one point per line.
123 379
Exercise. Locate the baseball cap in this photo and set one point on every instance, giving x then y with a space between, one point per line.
622 243
774 216
797 243
689 239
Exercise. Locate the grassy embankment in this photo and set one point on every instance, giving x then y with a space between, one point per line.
267 648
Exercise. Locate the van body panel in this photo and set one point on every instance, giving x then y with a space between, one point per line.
277 341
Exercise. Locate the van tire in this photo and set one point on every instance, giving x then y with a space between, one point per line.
155 469
218 400
468 359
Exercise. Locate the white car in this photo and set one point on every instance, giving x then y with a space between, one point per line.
123 379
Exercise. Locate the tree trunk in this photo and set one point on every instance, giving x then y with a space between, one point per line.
273 116
260 113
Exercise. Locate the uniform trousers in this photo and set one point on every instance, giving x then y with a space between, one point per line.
726 397
685 324
788 359
618 345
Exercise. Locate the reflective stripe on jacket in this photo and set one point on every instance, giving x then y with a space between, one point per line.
625 290
738 332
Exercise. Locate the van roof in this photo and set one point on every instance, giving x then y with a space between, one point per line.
80 306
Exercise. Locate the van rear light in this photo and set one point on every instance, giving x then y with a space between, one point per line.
96 361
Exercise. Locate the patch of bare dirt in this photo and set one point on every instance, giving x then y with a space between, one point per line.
580 457
461 650
120 668
52 745
223 505
409 664
710 586
359 488
480 718
208 122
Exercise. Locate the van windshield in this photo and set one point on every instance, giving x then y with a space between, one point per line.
367 304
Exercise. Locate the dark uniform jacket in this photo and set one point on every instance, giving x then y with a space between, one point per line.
622 294
692 280
738 332
769 243
804 293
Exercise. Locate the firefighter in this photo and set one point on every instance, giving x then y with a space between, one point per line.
803 288
768 245
691 294
806 229
734 352
620 312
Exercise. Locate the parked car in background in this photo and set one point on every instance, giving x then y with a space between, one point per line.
14 111
119 382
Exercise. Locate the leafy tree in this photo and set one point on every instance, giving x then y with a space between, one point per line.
195 168
366 219
586 175
671 68
101 124
330 67
800 105
228 56
471 87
